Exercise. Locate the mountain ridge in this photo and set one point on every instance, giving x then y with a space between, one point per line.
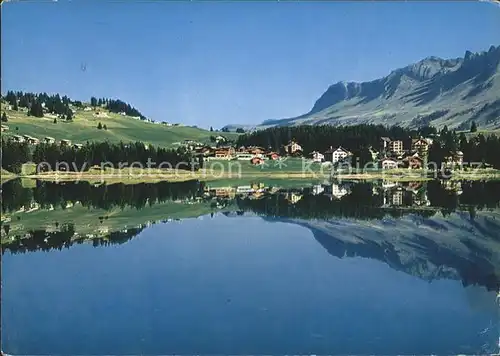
433 91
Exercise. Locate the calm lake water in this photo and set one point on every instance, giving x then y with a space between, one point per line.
348 268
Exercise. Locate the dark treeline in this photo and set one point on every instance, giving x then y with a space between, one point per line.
362 204
116 106
478 149
49 194
93 153
42 240
39 103
321 137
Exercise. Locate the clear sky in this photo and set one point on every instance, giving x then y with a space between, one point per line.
214 63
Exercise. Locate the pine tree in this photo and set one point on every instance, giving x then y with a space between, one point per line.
55 120
105 127
99 126
69 115
15 106
211 129
473 127
93 101
4 117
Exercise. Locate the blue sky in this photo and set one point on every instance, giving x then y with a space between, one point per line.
213 63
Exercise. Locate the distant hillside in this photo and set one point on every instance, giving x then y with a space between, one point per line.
85 120
434 91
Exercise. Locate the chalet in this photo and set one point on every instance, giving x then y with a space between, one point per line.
421 146
257 161
338 155
225 153
31 140
49 140
258 151
220 139
225 192
65 143
318 189
453 161
293 148
5 128
87 108
335 191
77 146
413 162
388 164
18 138
293 197
317 157
273 156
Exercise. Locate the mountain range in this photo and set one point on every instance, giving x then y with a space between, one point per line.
457 246
433 91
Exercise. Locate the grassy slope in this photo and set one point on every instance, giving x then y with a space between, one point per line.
87 220
120 128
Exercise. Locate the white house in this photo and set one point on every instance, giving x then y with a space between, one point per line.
317 189
338 155
317 157
389 164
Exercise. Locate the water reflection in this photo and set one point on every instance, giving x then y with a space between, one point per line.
338 249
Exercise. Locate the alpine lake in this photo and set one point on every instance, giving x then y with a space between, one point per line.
244 268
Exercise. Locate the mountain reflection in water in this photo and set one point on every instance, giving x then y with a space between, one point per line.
326 268
430 229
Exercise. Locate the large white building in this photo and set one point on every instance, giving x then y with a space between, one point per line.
338 155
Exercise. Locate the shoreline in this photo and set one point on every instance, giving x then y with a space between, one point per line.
153 177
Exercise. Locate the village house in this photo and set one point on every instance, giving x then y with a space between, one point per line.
413 162
49 140
338 155
388 163
293 148
225 153
453 161
421 146
220 139
31 140
18 138
336 191
65 143
317 189
77 146
273 156
257 151
317 157
5 128
257 161
293 197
